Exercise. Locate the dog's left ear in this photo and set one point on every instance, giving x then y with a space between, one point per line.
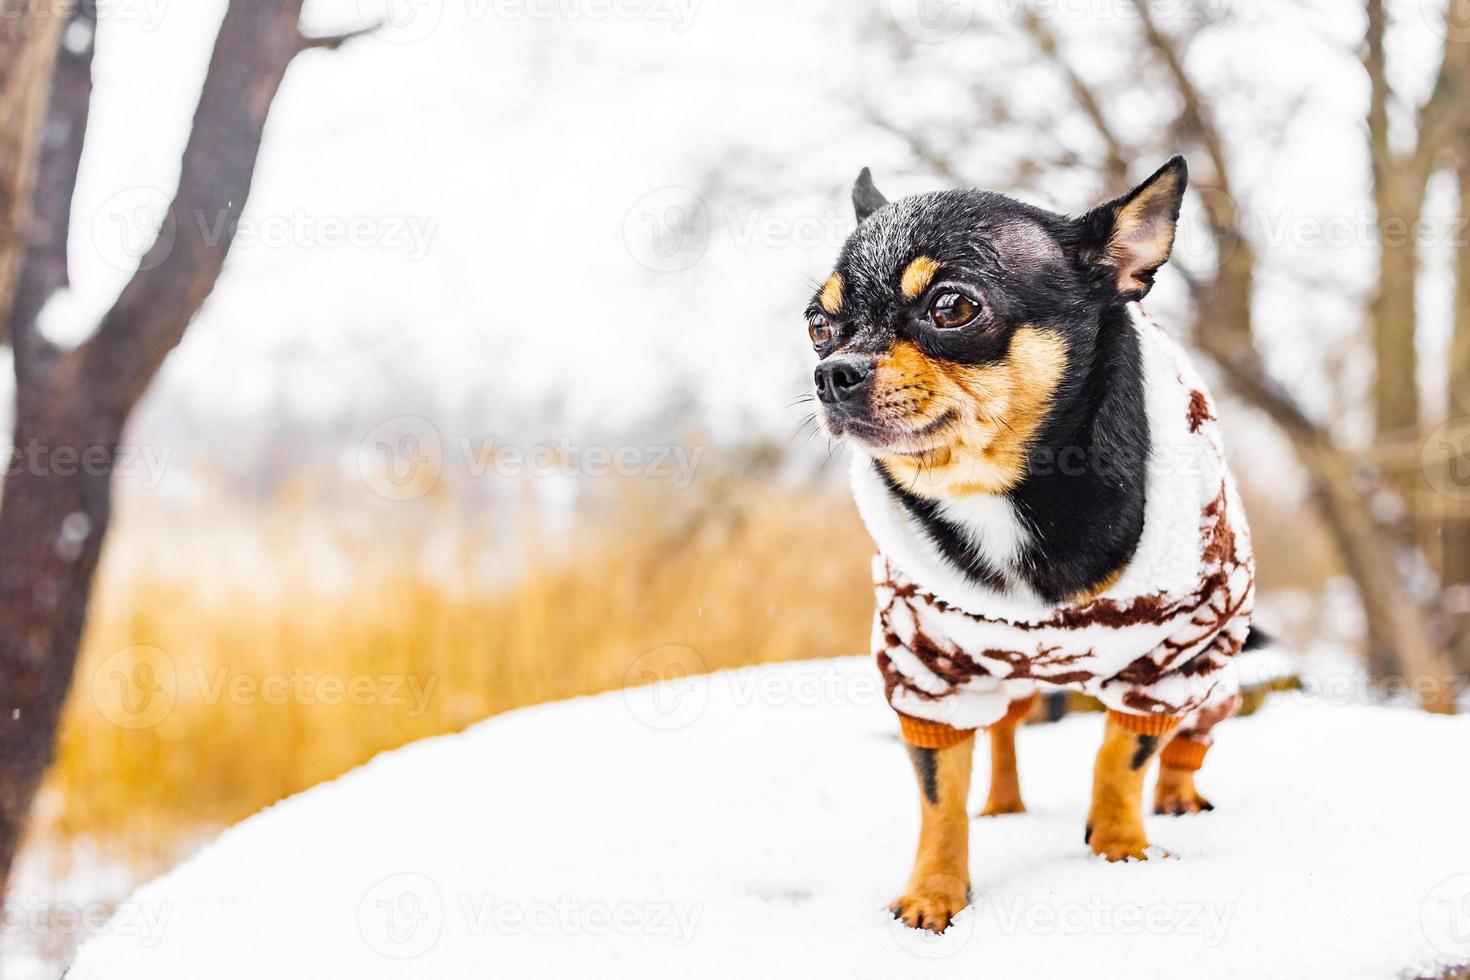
866 198
1132 236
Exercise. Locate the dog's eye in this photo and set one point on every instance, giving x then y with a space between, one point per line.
952 309
819 328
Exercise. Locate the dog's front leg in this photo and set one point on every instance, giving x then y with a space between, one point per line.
939 886
1115 822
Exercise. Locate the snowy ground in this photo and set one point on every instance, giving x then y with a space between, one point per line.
757 822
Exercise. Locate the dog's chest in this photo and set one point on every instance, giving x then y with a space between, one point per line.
994 528
1185 473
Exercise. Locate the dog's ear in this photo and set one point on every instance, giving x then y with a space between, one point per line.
1131 237
865 197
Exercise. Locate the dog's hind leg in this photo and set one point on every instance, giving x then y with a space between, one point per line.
939 886
1115 822
1175 793
1005 780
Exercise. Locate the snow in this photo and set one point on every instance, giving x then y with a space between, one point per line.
756 822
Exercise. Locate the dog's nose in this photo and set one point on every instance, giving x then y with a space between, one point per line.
840 378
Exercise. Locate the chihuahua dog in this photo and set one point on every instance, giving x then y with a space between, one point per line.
1042 472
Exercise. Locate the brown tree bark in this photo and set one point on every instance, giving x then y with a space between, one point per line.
1455 553
72 405
1398 198
1400 188
27 49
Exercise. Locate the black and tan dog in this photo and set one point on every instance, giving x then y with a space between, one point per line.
1041 470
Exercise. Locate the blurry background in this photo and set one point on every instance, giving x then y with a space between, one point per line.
495 401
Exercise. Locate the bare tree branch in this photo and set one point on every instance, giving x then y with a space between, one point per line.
1375 64
1196 111
28 34
1115 165
940 162
1365 550
1442 115
44 264
256 43
334 41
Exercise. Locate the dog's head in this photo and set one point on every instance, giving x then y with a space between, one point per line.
953 319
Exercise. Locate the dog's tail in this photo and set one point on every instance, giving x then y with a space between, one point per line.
1264 669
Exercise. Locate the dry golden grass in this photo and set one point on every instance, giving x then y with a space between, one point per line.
414 620
238 669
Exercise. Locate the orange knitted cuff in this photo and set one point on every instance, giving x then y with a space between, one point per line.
1144 724
1184 753
931 734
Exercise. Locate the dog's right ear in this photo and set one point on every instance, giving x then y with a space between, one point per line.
865 197
1131 237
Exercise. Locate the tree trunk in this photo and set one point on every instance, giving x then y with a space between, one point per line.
56 508
1455 561
1394 317
72 405
27 49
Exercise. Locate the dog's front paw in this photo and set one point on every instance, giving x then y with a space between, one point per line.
931 902
1175 794
1121 844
